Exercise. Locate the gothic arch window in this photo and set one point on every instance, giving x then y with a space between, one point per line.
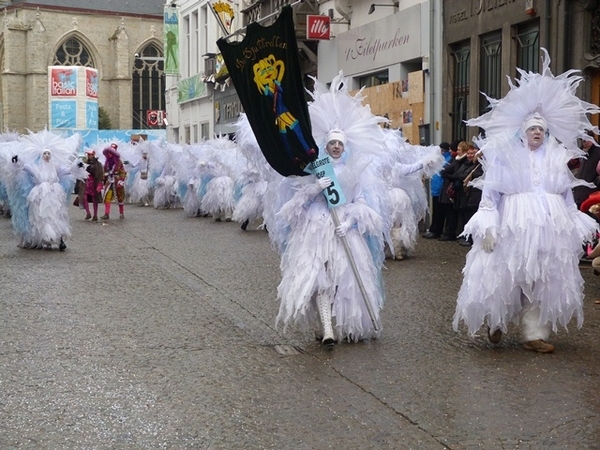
72 52
148 86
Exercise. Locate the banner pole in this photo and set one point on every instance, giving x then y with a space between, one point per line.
363 291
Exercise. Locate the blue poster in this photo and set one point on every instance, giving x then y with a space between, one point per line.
91 115
63 114
92 138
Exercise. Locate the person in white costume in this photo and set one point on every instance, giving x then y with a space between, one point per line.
404 169
221 167
254 178
319 290
316 272
527 232
138 174
46 186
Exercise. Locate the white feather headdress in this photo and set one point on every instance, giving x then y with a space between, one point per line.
544 95
334 109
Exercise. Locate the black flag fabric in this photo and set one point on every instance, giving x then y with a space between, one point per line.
265 71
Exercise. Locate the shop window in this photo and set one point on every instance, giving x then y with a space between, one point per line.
205 130
374 79
528 47
460 89
490 75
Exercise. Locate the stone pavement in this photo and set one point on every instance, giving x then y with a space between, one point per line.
157 331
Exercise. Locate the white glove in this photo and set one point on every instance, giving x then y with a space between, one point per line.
342 228
324 183
489 241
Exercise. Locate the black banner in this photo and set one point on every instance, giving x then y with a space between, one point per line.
265 71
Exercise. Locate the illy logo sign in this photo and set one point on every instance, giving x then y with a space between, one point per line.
317 27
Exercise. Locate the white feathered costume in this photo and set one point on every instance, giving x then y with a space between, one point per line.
314 263
404 168
255 177
42 179
527 210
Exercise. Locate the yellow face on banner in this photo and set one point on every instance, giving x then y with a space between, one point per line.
266 71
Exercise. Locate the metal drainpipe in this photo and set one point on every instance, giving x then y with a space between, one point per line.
567 63
431 72
548 8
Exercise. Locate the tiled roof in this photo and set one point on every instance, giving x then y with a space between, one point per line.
143 7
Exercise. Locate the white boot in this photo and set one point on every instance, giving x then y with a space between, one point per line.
324 307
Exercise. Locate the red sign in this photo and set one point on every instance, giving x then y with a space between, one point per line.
64 82
91 83
317 27
156 117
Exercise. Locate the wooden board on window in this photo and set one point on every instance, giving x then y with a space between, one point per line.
386 100
415 87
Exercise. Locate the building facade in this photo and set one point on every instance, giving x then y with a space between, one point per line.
190 92
122 40
485 41
392 50
389 48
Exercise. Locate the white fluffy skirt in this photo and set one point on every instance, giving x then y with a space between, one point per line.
48 214
406 227
165 192
191 201
250 204
219 196
314 262
140 190
536 259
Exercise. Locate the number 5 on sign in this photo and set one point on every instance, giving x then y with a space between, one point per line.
322 167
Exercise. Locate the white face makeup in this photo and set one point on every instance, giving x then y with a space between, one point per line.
335 148
535 136
46 155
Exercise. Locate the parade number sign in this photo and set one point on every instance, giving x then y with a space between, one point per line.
322 167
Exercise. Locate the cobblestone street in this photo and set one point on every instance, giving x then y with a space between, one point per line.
158 331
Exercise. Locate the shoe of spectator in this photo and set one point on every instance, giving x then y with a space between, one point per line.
539 345
430 235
